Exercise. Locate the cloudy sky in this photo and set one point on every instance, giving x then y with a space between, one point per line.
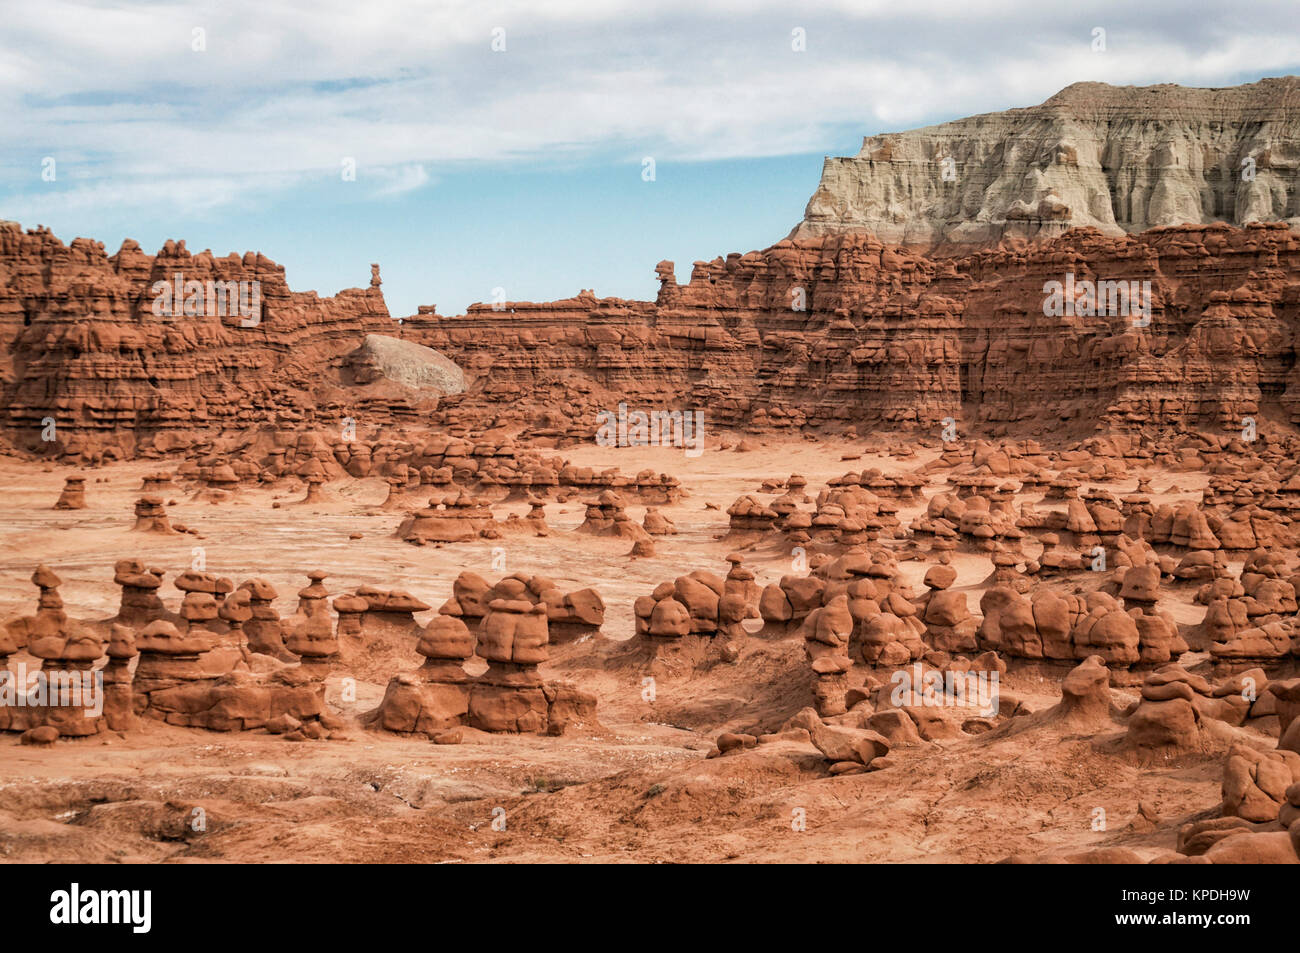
232 124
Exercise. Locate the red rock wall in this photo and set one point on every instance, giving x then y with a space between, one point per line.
893 338
889 337
81 345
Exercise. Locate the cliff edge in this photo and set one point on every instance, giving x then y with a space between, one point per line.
1122 159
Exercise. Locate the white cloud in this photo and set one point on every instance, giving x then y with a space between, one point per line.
398 181
284 91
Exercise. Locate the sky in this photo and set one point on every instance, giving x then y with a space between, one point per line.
504 145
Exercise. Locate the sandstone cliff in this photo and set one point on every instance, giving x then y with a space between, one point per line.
82 349
819 332
1119 159
841 329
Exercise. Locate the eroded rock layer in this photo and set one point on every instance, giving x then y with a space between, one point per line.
842 328
1118 158
828 331
86 361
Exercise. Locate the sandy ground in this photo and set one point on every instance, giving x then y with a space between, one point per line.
637 788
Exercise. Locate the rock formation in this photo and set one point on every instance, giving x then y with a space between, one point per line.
506 625
139 367
1117 158
140 602
403 362
890 337
73 496
449 518
151 516
1255 783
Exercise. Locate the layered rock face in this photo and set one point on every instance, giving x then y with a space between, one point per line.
1117 158
823 331
844 328
1189 326
86 360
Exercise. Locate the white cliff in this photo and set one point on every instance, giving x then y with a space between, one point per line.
1118 158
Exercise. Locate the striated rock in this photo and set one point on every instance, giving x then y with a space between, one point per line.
104 346
890 337
73 496
450 518
65 651
309 633
262 630
140 603
1117 158
510 696
151 516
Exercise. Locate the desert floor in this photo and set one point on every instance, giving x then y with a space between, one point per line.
637 787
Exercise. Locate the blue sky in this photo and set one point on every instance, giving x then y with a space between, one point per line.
521 168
